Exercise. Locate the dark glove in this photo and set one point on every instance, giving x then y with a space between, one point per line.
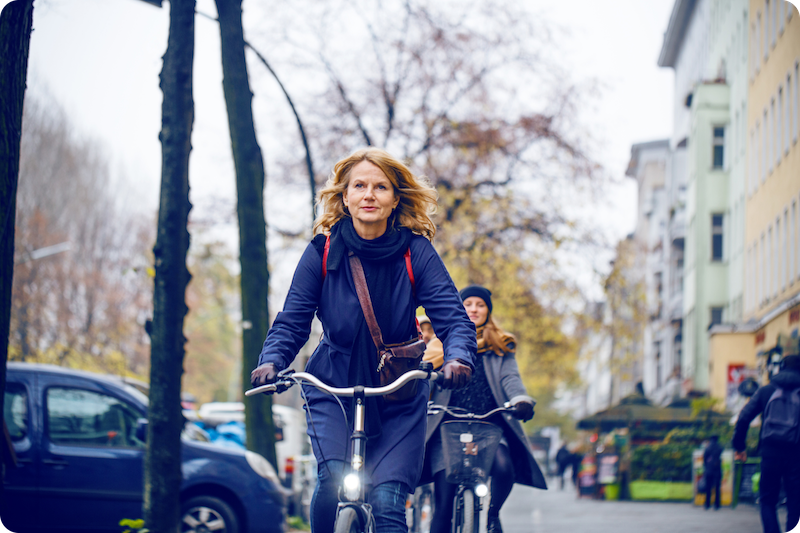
266 373
456 374
524 411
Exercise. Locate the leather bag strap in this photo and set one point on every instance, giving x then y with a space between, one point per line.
357 269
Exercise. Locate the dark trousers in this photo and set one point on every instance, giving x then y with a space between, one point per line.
388 501
444 493
773 470
713 481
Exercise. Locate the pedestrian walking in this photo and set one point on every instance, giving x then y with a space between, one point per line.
778 403
375 228
563 460
712 471
496 381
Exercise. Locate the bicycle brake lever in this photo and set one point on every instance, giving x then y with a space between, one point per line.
286 372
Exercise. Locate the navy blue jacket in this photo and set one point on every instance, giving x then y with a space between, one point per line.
396 455
788 380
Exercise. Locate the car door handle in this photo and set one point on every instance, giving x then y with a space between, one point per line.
55 462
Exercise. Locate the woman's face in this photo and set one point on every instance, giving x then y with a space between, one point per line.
477 310
370 198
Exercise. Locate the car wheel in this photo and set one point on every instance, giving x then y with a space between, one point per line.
206 514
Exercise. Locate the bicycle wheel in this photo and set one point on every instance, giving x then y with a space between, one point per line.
348 521
464 513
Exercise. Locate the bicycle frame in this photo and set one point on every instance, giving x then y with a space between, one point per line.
351 493
469 461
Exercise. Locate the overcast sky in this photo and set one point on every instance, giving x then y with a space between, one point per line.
100 60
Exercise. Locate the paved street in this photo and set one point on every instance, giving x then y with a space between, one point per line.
534 511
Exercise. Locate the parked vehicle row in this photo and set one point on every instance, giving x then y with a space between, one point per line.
79 438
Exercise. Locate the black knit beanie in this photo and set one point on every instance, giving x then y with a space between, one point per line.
481 292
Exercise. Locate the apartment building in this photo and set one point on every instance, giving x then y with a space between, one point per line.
771 237
706 44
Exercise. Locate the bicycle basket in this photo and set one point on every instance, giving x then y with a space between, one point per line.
469 449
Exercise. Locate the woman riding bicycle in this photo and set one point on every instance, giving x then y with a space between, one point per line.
375 209
495 381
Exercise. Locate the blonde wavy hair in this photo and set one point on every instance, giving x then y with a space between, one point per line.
418 200
496 338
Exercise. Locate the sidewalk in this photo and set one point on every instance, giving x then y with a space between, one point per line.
529 510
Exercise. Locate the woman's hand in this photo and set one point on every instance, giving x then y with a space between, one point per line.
456 374
524 411
263 374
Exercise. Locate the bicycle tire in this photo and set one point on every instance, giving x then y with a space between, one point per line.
470 525
464 512
348 521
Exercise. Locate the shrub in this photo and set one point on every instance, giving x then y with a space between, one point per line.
662 462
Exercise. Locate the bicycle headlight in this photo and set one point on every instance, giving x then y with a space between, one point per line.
352 486
481 490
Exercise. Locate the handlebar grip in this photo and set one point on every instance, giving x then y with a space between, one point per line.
269 388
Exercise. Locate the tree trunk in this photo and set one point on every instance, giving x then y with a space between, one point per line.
252 225
162 478
15 37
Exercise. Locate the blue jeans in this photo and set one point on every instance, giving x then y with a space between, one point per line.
773 469
388 501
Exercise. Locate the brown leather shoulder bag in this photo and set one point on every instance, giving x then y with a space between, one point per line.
393 359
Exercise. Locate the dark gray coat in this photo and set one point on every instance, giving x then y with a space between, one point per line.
502 373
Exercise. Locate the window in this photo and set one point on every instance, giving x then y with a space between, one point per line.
770 272
778 257
765 148
752 178
677 341
716 316
84 418
786 273
793 244
774 22
789 114
779 127
743 131
719 147
15 411
657 352
762 273
771 150
759 41
716 237
796 101
781 14
766 32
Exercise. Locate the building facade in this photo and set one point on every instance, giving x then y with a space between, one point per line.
654 244
771 239
706 45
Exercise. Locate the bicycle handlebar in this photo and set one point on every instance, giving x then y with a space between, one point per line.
434 409
296 377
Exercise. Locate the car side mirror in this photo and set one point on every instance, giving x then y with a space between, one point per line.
141 429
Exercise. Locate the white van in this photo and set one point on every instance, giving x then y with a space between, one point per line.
290 426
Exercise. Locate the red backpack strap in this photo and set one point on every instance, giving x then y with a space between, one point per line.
325 257
407 257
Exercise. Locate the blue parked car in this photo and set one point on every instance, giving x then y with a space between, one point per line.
79 441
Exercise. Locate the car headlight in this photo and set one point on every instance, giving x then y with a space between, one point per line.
262 467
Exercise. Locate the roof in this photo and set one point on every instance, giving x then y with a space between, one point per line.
676 30
638 148
636 409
